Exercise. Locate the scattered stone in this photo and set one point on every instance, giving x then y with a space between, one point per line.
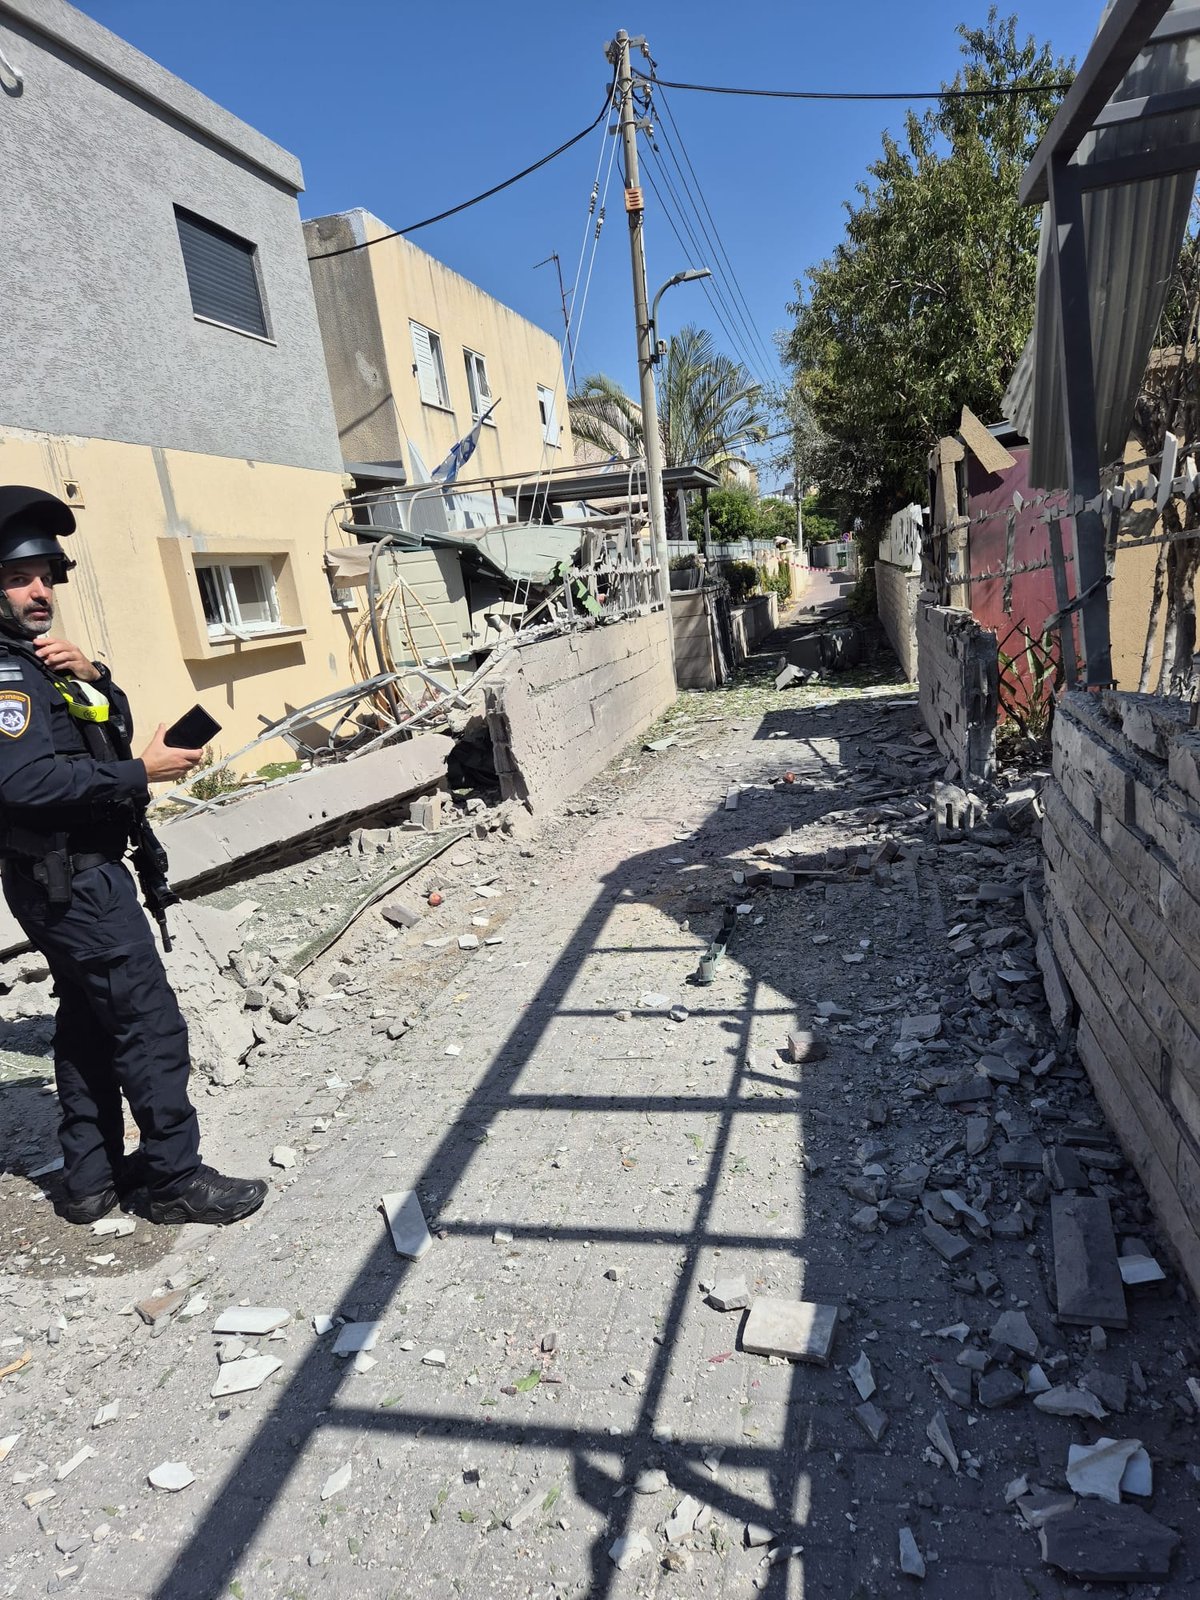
171 1476
77 1460
979 1135
113 1227
912 1563
1087 1273
1110 1390
683 1519
862 1377
356 1336
283 1156
1063 1168
1096 1470
160 1307
729 1294
950 1246
873 1421
896 1212
966 1092
954 1382
756 1535
1012 1328
406 1220
337 1480
921 1028
1137 1270
1065 1400
106 1414
434 1358
244 1374
803 1046
999 1388
797 1329
1100 1543
1021 1155
651 1480
255 1320
938 1434
630 1547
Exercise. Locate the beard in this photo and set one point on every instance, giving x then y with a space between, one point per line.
34 618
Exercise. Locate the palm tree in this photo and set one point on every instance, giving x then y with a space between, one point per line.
709 408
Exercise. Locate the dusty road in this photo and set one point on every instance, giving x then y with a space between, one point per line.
595 1142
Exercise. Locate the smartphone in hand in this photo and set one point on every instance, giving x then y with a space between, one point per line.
193 731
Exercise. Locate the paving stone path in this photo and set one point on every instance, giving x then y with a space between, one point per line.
593 1140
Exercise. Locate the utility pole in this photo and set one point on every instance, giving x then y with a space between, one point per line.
562 295
617 53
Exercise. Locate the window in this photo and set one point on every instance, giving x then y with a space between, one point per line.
546 412
222 275
478 386
429 366
238 597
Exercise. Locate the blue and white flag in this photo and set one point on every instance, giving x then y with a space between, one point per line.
462 452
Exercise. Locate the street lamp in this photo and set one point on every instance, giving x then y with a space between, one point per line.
689 276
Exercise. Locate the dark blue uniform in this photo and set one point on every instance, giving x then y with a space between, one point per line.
119 1025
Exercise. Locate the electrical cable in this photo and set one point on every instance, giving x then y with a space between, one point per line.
891 94
399 233
772 362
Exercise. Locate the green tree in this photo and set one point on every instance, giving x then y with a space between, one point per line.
776 519
709 407
926 303
732 514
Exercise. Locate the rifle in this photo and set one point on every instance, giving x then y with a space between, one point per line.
150 863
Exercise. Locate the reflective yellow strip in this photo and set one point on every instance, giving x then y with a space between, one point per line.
83 710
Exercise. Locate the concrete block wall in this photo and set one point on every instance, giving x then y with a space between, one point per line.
1121 842
752 621
695 658
560 709
896 593
958 678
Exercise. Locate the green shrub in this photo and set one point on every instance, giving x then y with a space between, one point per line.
732 514
742 578
778 582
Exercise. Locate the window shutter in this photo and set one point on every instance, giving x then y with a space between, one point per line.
549 419
221 274
427 379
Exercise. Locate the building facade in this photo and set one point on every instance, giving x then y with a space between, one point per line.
163 372
417 354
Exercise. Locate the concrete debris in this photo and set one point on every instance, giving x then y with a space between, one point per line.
950 1246
1112 1391
1066 1400
283 1156
1087 1274
938 1434
106 1414
171 1476
1099 1543
337 1480
434 1358
1098 1469
651 1480
999 1388
1137 1270
862 1377
406 1220
160 1308
872 1420
1040 1505
254 1320
77 1460
755 1535
355 1336
683 1519
923 1027
114 1227
729 1294
629 1549
805 1046
1012 1328
912 1562
244 1374
797 1329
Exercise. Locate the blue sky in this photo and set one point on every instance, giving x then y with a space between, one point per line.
405 109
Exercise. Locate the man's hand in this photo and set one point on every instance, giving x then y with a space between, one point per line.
60 655
163 762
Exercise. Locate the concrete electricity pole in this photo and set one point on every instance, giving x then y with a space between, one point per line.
617 53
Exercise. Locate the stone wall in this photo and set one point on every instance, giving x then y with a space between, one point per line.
751 622
560 709
957 672
896 592
1121 839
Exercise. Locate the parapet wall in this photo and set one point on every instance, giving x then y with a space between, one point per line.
958 677
1121 839
560 709
896 592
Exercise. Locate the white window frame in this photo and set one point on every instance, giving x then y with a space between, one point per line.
231 624
548 412
478 387
429 366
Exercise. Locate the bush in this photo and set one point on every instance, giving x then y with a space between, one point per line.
778 582
732 514
742 578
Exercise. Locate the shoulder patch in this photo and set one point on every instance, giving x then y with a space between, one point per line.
14 713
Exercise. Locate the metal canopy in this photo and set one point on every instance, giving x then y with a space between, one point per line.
1117 168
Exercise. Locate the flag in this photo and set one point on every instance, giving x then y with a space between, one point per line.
462 452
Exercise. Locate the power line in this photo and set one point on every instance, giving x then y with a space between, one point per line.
399 233
891 94
745 315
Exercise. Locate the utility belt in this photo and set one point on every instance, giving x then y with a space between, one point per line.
49 861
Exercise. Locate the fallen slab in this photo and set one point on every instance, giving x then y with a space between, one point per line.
1099 1543
1087 1276
797 1329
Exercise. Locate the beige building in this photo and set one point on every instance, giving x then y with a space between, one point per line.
163 372
417 354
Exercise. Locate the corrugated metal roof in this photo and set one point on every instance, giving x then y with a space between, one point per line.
1134 232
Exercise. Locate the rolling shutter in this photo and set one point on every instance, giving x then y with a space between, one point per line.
221 274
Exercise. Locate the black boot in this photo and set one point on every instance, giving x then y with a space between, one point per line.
88 1207
209 1196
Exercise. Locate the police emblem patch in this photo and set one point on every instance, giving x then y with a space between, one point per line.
14 713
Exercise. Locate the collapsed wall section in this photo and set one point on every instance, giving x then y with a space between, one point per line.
1121 841
896 593
560 709
958 678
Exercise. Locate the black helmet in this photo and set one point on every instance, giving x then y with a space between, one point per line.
31 524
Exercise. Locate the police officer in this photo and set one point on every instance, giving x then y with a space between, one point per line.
71 799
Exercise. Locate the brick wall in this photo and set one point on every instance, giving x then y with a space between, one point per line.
1121 840
560 709
896 592
957 674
